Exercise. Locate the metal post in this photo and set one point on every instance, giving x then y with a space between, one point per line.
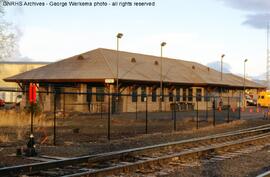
117 68
214 112
32 117
244 84
146 115
228 115
206 113
267 117
101 110
239 109
267 58
161 77
221 66
161 84
109 116
174 115
172 111
119 36
197 114
54 120
64 107
136 107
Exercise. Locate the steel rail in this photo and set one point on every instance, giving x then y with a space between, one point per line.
35 167
198 152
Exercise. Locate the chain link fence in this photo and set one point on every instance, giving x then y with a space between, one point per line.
72 117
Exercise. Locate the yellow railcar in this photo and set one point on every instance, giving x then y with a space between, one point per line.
264 99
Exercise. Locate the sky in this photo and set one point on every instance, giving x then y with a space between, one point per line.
194 30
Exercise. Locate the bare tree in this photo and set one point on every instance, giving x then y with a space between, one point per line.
8 36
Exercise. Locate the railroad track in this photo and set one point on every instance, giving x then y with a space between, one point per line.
131 160
266 174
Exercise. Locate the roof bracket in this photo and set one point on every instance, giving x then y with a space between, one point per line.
21 86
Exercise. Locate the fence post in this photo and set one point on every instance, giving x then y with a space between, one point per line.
228 115
206 105
101 110
136 107
174 113
197 113
54 120
109 117
146 115
172 110
32 117
64 104
214 112
267 117
239 110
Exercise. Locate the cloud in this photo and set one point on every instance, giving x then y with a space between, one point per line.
258 10
249 5
257 20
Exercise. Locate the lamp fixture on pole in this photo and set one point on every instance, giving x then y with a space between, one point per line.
119 36
221 66
161 77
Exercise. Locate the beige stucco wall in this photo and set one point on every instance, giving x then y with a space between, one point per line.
70 102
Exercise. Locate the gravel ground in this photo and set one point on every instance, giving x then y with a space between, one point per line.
71 149
248 165
144 140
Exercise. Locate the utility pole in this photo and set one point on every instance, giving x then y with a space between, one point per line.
267 58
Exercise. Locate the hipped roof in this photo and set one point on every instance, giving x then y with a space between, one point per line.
101 64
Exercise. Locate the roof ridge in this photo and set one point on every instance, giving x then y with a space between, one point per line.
107 62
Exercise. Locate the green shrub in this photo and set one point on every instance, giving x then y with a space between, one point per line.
36 108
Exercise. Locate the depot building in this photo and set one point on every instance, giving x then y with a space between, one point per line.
184 82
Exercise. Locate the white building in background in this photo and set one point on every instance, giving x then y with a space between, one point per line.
8 69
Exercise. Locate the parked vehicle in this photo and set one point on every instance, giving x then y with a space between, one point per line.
250 101
264 99
18 100
2 103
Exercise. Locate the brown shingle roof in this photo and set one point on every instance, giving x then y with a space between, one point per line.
100 64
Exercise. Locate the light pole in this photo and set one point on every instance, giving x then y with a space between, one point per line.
161 78
119 36
221 66
244 83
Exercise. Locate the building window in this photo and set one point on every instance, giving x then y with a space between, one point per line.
170 95
190 96
154 94
134 95
162 94
89 94
177 94
223 90
198 94
100 94
143 94
184 94
207 96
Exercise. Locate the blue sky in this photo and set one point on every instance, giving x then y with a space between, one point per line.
194 30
